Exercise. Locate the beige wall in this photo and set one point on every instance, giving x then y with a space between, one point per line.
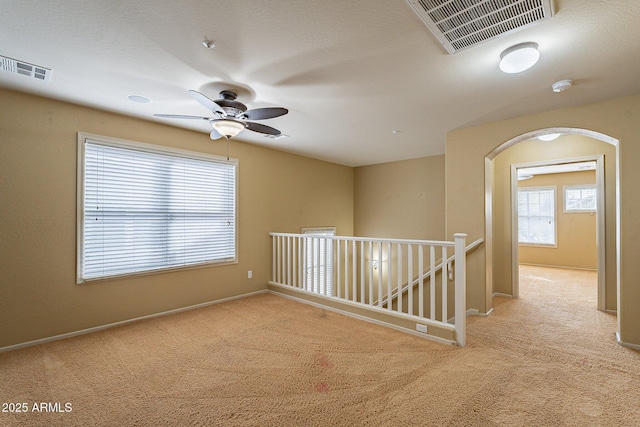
402 199
38 294
575 231
565 147
466 150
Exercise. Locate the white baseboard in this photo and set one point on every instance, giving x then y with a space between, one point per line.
124 322
366 319
500 294
626 344
476 312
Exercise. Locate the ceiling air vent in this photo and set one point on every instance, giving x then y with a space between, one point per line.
11 65
461 24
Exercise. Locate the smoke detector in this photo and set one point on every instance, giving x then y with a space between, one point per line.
562 85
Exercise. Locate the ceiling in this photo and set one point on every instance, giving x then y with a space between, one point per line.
365 81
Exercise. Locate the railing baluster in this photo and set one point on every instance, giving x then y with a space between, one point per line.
421 281
362 292
278 274
399 291
379 274
432 282
354 270
346 269
388 277
370 272
294 262
445 288
303 262
410 279
338 269
327 270
288 262
274 258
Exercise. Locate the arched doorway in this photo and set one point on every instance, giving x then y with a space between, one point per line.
501 248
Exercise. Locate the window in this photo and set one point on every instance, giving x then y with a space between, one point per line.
319 260
536 216
143 208
580 198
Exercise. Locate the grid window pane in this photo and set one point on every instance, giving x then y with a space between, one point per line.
536 216
580 198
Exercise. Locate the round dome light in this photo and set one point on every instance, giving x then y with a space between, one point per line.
548 137
519 58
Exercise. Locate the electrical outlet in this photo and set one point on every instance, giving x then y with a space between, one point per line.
421 328
249 274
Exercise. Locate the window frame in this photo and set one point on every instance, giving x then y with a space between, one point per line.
555 216
593 187
83 138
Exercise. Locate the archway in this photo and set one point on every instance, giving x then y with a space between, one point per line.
608 253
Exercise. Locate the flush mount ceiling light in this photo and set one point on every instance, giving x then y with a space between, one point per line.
227 128
548 137
519 58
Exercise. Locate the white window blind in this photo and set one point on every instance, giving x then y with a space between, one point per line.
580 198
319 260
537 216
146 209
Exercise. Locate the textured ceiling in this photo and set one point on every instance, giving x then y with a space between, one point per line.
350 72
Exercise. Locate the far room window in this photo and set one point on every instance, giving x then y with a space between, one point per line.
580 198
537 216
144 208
319 260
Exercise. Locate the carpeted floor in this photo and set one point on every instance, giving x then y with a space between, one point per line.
548 358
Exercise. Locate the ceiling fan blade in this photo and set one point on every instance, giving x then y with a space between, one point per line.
208 103
179 116
258 127
264 113
215 134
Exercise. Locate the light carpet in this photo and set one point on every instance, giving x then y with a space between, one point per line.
547 358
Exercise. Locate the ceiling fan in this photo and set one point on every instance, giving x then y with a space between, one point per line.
230 117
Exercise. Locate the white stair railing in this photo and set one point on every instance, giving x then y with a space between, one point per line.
368 272
438 267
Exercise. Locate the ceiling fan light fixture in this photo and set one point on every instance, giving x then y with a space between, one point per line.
519 57
228 128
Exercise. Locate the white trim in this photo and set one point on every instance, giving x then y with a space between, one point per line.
125 322
476 312
500 294
366 319
626 344
600 221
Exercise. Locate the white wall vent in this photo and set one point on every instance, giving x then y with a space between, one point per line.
11 65
461 24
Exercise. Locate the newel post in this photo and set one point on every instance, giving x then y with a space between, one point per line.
460 287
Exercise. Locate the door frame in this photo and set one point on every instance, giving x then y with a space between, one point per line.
600 222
